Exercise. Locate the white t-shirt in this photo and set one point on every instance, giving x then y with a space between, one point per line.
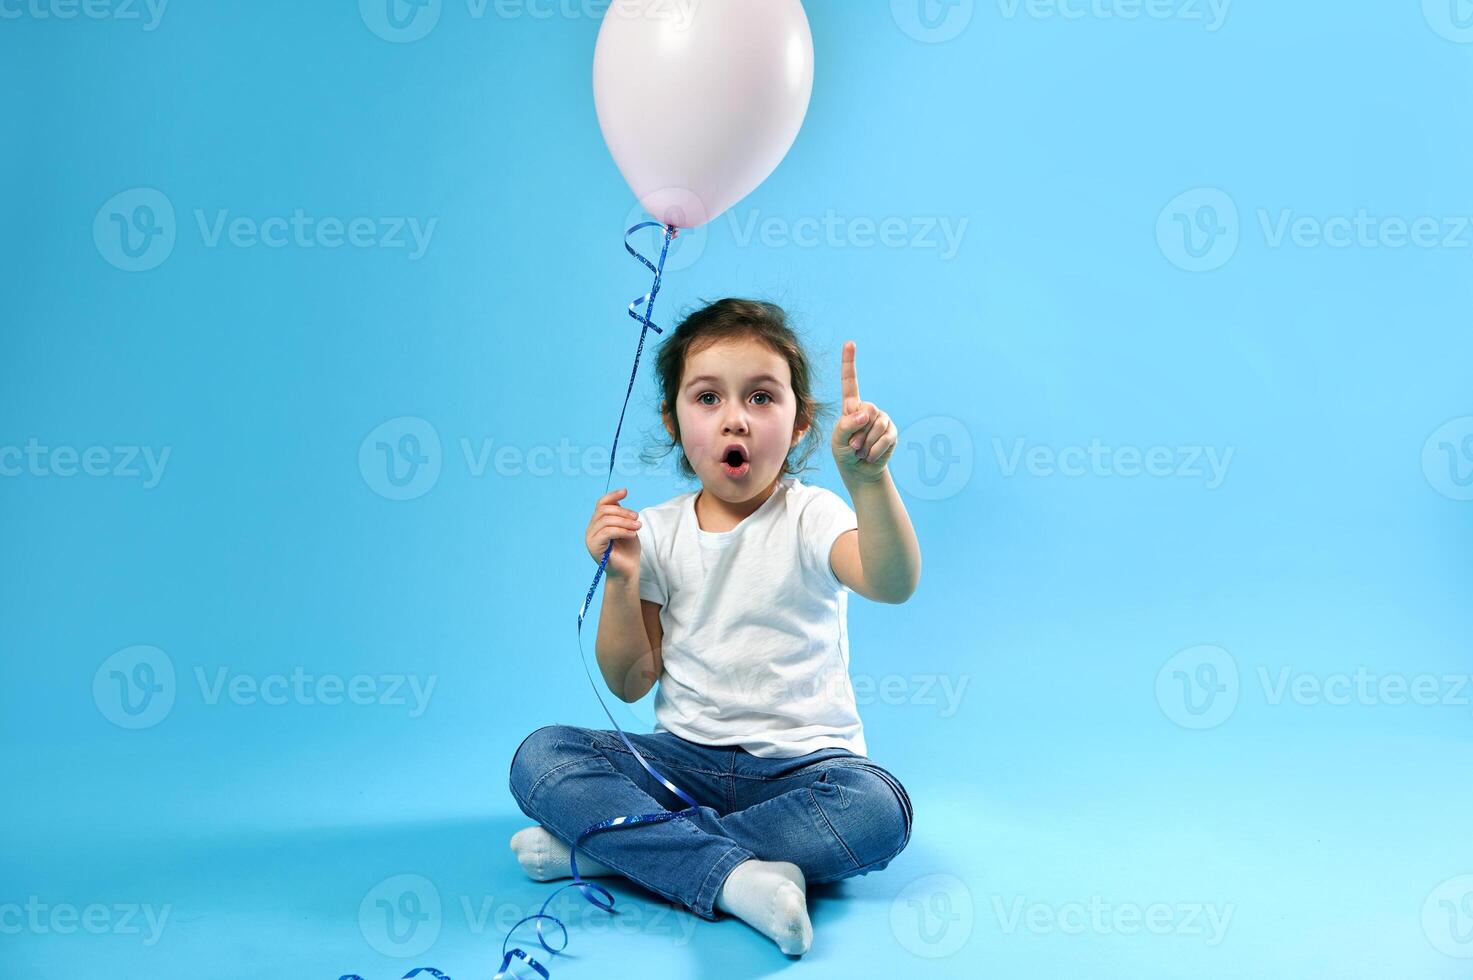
756 646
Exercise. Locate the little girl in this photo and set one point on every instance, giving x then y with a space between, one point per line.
733 598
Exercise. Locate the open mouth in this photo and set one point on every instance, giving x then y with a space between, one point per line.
735 463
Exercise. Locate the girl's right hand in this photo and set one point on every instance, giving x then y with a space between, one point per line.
611 521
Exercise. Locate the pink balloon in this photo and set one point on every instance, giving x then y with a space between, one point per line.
700 100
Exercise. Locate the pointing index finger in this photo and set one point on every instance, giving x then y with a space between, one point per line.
849 379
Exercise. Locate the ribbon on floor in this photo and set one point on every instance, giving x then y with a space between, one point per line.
594 893
512 959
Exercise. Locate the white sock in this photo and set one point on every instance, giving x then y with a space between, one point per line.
545 858
770 897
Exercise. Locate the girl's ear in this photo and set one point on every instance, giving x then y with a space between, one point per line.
800 429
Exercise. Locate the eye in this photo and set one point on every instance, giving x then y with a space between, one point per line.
763 394
703 395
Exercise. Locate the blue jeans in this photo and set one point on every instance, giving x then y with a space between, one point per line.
833 813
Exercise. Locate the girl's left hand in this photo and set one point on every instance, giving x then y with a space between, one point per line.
864 437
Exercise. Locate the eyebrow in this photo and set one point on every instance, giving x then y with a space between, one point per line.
708 379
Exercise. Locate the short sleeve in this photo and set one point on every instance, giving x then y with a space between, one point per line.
652 584
825 517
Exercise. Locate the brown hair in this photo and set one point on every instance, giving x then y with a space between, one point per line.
739 319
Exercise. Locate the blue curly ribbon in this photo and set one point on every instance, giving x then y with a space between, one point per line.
594 893
412 973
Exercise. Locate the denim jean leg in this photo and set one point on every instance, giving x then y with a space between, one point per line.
834 820
563 781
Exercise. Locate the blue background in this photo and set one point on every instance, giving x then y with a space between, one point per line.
1075 309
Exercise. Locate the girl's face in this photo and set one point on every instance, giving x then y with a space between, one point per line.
735 393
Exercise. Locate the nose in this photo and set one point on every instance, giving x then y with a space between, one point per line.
735 423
